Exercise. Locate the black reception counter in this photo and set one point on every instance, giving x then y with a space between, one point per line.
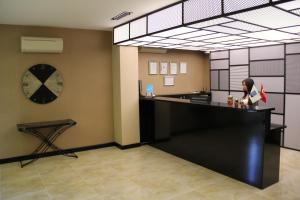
237 142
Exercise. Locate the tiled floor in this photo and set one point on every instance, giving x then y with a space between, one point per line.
137 174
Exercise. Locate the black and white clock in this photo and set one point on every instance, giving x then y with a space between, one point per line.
42 83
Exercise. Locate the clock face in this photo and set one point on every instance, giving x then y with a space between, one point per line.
42 83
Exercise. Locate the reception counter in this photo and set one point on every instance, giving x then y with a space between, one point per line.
238 142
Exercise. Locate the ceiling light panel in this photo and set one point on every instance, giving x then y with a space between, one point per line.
239 41
221 29
192 48
233 5
196 44
159 44
166 18
290 5
121 33
173 47
139 43
244 26
138 27
206 37
215 46
294 29
193 34
128 43
149 39
229 38
211 22
297 12
173 41
268 17
195 10
175 31
261 44
271 35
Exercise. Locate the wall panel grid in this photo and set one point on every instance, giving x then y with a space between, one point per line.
275 67
293 74
237 75
267 68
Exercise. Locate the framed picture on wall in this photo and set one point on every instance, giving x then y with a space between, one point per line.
173 68
183 67
168 80
153 67
164 67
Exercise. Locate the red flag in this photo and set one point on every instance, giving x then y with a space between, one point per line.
263 94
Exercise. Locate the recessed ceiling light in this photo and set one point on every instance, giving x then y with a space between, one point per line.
195 44
173 41
290 5
229 38
268 17
244 26
193 34
222 29
294 29
121 15
127 43
211 22
206 37
175 31
271 35
149 39
140 43
261 44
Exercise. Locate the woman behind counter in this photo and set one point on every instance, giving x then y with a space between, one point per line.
247 87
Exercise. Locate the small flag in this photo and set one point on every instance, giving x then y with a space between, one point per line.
254 95
263 94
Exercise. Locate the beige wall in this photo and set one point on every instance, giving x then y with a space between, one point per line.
126 97
196 79
86 97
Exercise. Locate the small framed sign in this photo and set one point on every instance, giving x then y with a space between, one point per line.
183 68
152 67
164 67
173 68
169 80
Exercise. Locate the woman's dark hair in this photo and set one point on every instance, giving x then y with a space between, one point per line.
249 84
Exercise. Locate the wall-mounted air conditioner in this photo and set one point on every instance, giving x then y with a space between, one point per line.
41 45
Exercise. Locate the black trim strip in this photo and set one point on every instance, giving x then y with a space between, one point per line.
129 146
66 151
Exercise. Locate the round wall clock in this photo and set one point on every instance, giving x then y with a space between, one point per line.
42 83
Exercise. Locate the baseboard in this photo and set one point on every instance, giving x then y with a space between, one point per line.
129 146
290 148
54 153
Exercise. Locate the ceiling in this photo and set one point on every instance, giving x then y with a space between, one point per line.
85 14
211 25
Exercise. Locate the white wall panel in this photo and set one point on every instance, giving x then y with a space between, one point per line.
219 96
269 52
292 119
239 57
214 80
237 75
166 18
277 119
271 84
138 27
293 48
121 33
219 55
219 64
237 95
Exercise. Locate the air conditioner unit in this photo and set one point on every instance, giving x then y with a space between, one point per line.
41 45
